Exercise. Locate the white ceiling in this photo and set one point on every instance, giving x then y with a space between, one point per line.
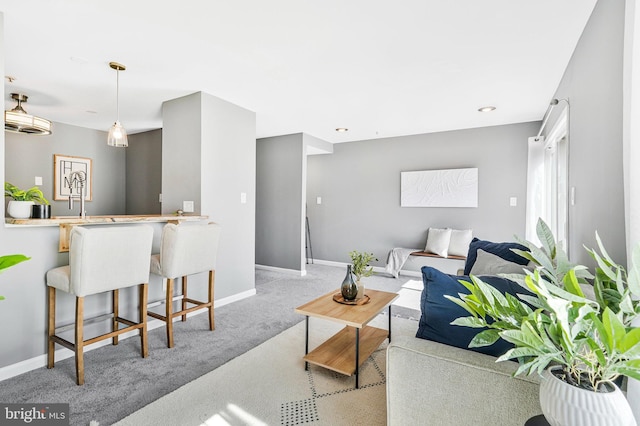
378 67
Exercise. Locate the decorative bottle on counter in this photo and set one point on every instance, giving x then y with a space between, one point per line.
349 289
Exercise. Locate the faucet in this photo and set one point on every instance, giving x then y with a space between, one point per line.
81 177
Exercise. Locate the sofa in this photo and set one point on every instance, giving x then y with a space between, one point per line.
434 379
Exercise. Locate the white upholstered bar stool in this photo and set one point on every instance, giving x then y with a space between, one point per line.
101 260
186 249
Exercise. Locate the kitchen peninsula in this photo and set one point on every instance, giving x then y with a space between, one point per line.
66 223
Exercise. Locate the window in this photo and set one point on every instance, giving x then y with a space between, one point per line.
548 182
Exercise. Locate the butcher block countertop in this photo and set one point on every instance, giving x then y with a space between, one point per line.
66 223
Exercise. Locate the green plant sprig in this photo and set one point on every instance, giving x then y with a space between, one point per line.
360 262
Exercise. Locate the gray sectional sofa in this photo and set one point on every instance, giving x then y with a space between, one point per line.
429 383
436 379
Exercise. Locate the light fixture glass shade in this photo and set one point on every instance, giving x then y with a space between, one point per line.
117 136
18 121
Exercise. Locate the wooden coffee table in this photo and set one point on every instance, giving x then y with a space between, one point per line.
350 347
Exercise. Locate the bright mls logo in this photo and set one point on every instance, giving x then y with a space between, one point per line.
34 414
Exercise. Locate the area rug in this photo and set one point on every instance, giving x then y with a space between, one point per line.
269 386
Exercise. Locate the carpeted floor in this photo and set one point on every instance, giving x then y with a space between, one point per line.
120 382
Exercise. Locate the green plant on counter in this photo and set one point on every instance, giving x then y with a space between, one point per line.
360 263
31 194
591 338
11 260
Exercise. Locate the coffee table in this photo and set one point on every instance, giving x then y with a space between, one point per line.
345 351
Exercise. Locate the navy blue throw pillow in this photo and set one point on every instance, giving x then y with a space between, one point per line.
438 312
502 250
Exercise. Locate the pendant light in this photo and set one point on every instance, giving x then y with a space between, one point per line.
18 121
117 133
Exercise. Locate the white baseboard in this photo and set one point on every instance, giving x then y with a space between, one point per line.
64 353
301 273
330 263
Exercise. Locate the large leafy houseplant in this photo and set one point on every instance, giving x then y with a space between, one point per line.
592 340
11 260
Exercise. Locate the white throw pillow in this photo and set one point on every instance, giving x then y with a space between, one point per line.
460 240
438 241
490 264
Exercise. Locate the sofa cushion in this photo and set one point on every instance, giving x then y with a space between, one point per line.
490 264
438 312
502 250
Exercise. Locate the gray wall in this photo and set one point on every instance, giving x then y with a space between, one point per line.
209 156
228 169
181 161
29 156
280 163
593 85
144 172
360 188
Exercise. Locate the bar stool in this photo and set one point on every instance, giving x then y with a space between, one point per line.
185 250
101 260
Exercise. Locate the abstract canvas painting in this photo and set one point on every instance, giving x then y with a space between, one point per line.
439 188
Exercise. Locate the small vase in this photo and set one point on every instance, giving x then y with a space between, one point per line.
40 211
349 289
360 289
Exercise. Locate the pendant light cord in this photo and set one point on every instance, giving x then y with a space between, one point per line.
118 95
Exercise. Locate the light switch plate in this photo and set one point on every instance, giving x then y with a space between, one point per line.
318 200
187 206
243 198
513 201
38 180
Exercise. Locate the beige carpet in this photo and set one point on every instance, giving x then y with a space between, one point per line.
269 386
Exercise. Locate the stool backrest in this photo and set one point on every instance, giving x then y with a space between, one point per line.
188 249
104 259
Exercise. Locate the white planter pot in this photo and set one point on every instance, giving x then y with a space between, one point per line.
567 405
20 209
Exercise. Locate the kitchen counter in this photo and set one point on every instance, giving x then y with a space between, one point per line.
66 223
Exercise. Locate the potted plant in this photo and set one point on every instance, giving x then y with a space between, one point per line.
361 268
21 201
10 260
579 345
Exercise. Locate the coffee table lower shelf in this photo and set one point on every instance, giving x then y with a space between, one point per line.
338 353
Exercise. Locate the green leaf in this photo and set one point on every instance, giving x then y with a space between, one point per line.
518 353
630 339
571 283
615 328
11 260
484 338
546 237
472 322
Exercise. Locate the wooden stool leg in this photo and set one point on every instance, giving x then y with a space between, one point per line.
143 319
79 344
184 297
212 279
169 312
51 328
114 323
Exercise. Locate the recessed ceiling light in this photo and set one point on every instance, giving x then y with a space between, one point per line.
342 129
487 109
